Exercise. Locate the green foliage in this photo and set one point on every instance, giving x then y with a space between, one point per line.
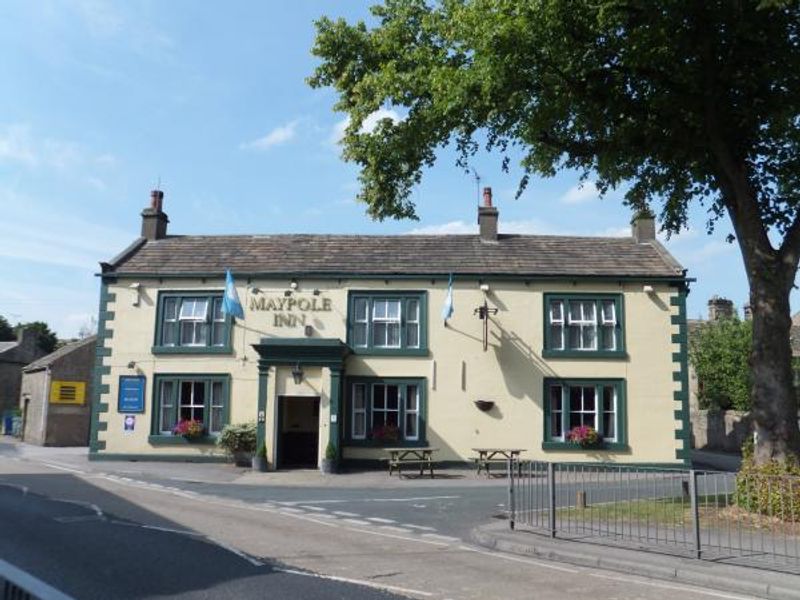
771 488
46 339
238 437
330 452
6 331
720 352
262 451
660 99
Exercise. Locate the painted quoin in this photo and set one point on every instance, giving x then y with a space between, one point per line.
343 341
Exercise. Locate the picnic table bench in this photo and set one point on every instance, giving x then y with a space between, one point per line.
486 456
421 457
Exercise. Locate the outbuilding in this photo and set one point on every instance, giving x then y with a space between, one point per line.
55 397
346 342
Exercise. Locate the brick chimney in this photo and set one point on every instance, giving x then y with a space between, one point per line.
154 219
643 226
719 308
487 218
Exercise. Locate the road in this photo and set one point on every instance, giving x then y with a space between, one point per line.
108 535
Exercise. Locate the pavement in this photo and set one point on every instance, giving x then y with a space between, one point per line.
406 537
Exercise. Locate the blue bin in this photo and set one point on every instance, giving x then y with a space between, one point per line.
8 424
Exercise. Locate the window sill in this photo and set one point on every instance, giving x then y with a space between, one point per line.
590 354
573 447
179 440
375 444
390 351
192 350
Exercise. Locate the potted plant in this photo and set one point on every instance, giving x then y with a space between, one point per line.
260 459
329 462
585 436
239 440
190 429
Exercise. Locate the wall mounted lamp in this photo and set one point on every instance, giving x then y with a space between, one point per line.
647 289
484 287
297 374
137 293
293 285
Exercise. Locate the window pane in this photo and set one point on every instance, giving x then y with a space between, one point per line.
589 337
609 412
167 404
588 399
411 398
393 335
379 308
393 309
168 335
218 334
171 308
556 399
360 334
412 335
557 337
379 334
392 397
391 419
358 397
608 311
413 310
556 311
218 316
574 337
411 426
359 424
217 406
360 309
575 399
609 337
378 397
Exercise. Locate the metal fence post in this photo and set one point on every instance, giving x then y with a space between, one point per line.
695 511
512 507
551 493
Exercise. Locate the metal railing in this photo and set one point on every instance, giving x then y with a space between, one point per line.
744 519
16 584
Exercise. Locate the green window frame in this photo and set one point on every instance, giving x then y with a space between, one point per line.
388 323
189 395
599 403
192 322
372 402
584 326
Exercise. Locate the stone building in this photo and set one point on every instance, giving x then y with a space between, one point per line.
13 357
55 397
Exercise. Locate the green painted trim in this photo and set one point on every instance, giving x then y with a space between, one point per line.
336 413
681 375
620 444
176 458
422 387
179 440
207 379
573 447
104 317
191 350
619 306
320 352
370 295
211 296
283 275
261 409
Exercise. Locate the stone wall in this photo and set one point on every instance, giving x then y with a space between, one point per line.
721 431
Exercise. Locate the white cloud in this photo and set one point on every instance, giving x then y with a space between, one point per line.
581 193
16 145
19 145
368 126
279 135
101 18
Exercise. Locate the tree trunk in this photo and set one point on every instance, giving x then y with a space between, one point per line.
773 396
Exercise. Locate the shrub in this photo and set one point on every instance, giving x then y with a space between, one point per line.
238 437
262 451
330 452
771 489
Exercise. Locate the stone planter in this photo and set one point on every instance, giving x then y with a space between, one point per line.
260 464
242 459
327 467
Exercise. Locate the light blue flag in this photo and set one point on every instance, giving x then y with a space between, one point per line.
447 309
230 301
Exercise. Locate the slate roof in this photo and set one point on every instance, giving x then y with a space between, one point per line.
534 255
7 346
49 359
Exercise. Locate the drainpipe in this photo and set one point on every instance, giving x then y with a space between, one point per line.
45 404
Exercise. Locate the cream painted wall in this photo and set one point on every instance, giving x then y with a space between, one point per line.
457 370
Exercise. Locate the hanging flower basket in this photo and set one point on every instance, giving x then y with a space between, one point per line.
585 436
190 429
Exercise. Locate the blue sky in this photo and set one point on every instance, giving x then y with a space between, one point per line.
103 100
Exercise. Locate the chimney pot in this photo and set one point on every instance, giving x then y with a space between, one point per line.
487 196
156 200
487 218
720 308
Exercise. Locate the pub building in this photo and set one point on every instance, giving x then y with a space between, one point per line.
344 341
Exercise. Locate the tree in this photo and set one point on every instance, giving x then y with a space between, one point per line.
720 352
46 339
6 331
679 102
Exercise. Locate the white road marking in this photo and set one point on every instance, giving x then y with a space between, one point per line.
445 538
393 528
314 508
380 520
289 509
357 522
62 467
669 586
420 527
379 586
351 500
16 486
342 513
520 560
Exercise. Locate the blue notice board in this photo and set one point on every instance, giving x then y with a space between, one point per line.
131 394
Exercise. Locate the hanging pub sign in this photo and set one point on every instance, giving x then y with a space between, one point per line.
131 394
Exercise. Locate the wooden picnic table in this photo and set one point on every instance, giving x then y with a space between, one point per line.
423 457
487 455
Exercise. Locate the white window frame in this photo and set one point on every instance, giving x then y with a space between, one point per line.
388 321
583 323
358 412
